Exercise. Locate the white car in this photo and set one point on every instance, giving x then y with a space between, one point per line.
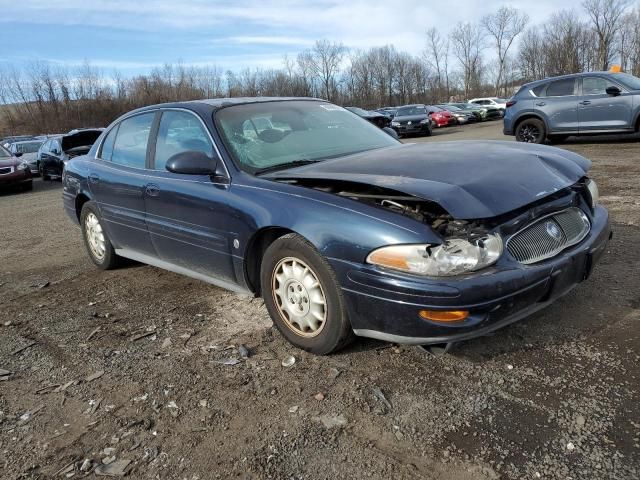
495 102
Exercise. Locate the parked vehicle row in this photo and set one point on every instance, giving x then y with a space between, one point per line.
14 172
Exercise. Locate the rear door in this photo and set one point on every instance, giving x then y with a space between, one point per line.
188 215
560 105
599 111
117 180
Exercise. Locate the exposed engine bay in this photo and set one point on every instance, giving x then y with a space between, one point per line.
424 211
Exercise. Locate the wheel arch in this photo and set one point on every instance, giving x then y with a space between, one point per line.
254 253
80 200
530 115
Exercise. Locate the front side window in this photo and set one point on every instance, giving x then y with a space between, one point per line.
180 132
4 153
595 85
561 88
297 131
130 146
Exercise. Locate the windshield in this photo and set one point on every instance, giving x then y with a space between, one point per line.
265 135
27 147
629 81
407 111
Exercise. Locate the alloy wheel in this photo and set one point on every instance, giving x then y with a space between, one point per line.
95 236
529 133
299 297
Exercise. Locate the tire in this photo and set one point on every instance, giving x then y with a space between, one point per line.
42 174
91 224
294 276
531 130
555 139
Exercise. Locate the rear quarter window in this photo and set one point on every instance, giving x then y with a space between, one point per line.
539 90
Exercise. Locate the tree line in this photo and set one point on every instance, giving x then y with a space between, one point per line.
491 57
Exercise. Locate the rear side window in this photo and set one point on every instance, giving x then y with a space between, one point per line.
561 88
538 91
130 146
107 145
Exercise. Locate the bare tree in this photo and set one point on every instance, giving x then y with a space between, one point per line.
437 55
467 41
326 58
503 27
605 16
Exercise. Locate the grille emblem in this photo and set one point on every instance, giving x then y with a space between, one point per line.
553 230
409 122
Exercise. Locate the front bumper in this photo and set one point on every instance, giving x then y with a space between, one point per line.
385 305
413 129
17 177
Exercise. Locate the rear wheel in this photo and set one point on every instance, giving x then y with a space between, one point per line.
303 297
531 130
96 240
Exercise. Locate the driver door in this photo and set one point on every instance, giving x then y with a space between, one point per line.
187 215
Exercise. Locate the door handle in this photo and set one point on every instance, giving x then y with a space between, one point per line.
152 190
93 178
541 104
585 102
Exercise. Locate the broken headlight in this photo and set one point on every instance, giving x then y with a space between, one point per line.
454 257
594 195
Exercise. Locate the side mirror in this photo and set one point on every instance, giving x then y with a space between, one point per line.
390 131
17 154
192 162
613 90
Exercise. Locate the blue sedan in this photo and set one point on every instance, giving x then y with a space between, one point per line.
339 227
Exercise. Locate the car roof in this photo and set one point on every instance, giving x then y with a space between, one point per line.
570 75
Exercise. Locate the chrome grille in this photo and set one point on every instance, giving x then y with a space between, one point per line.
548 236
6 170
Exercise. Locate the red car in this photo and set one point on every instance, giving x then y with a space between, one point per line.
440 117
13 171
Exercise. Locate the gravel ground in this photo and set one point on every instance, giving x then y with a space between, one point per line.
124 371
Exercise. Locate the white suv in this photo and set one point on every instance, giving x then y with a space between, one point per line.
495 102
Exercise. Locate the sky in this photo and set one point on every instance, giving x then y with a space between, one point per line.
133 36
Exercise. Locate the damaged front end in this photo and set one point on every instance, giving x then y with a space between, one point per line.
467 245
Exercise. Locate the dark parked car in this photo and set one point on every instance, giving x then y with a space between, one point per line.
14 172
412 120
55 152
584 104
28 152
338 226
378 119
388 112
486 112
6 141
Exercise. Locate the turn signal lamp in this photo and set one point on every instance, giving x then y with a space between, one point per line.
444 315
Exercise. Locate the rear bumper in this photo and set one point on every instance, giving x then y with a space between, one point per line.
385 305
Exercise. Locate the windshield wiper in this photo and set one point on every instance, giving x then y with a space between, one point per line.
284 166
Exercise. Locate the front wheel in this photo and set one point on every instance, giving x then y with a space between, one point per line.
531 130
303 297
96 240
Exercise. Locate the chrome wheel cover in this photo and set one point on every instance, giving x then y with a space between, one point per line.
299 297
95 236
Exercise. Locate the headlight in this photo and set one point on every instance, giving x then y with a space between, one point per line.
593 192
23 166
426 120
395 124
453 257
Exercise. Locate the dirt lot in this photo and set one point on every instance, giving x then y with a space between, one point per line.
125 366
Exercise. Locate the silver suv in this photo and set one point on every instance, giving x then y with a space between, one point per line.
581 104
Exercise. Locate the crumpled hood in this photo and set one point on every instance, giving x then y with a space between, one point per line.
83 138
469 179
9 162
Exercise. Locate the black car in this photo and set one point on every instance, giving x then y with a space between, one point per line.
377 118
57 151
412 120
388 112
